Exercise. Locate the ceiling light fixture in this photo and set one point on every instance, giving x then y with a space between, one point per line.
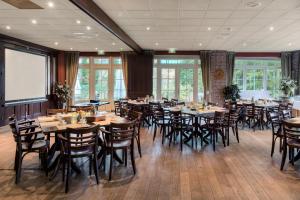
271 28
148 28
121 49
50 4
113 44
253 4
71 48
172 50
290 44
56 43
8 27
101 52
33 21
156 44
244 44
209 28
96 48
88 28
78 21
200 44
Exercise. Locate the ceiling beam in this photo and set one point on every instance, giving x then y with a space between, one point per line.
94 11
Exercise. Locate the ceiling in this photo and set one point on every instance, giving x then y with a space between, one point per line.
57 24
183 24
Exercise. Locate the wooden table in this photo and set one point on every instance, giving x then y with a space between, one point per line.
51 124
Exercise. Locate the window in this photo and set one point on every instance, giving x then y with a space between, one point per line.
119 87
101 83
186 84
99 78
82 86
177 77
168 83
258 77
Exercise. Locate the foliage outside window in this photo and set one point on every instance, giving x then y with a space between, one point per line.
258 75
119 87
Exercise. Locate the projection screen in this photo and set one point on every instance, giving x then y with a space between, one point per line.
25 76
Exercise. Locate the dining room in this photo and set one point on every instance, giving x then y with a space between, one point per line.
148 99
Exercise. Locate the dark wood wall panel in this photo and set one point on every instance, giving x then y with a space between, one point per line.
32 109
140 70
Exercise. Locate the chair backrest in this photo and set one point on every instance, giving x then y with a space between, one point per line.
164 99
137 116
274 118
291 130
120 132
286 114
249 108
117 107
219 119
81 138
55 111
176 119
154 106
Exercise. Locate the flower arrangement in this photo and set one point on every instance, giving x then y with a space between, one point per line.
63 93
231 92
288 86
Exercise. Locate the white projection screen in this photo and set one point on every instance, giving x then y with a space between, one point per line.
25 76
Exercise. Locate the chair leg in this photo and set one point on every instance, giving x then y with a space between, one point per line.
154 134
125 153
111 164
68 175
63 168
273 145
90 167
227 135
96 168
181 140
132 158
139 144
237 133
214 140
283 155
19 168
293 156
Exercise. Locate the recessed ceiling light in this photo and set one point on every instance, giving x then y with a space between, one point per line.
172 50
148 28
253 4
209 28
78 21
33 21
290 44
121 49
50 4
244 44
8 27
96 48
71 48
56 43
113 44
156 44
200 44
88 28
78 33
101 52
271 28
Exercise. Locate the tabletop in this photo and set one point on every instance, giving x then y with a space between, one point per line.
198 112
295 120
260 104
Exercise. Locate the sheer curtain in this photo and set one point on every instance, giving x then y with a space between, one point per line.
71 64
286 64
124 57
230 67
205 67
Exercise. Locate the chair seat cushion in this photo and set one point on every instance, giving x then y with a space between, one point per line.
118 144
36 145
293 142
40 136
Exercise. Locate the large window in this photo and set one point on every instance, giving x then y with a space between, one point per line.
99 78
177 77
259 78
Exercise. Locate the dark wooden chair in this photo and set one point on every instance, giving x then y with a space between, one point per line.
291 140
215 127
161 119
174 102
28 141
137 116
286 114
231 121
276 123
117 109
252 114
153 107
55 111
120 136
79 143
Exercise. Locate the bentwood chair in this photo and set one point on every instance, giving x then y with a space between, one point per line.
79 143
28 141
276 123
161 119
120 136
137 116
117 105
215 127
291 140
231 121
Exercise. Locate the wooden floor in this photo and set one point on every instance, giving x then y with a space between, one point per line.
240 171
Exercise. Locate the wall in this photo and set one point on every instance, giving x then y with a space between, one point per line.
29 109
217 82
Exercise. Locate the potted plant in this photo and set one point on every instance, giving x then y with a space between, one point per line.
288 86
63 93
231 92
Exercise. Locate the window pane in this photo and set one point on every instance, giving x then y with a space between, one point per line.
84 61
154 90
82 85
168 83
101 61
254 79
186 84
273 77
117 61
238 78
200 85
101 84
119 86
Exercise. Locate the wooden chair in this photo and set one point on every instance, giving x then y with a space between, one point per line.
291 140
231 121
215 127
28 141
55 111
120 136
161 119
252 114
137 116
117 105
79 143
276 124
174 102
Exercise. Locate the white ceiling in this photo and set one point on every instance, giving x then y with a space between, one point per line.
183 24
57 24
